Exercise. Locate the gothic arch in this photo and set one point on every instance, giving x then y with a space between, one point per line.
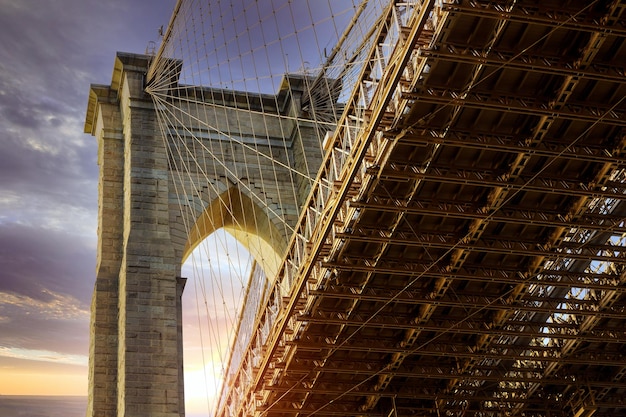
245 220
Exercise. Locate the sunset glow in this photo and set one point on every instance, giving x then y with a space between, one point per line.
22 378
49 181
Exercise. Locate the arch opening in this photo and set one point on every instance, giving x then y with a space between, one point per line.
232 255
218 271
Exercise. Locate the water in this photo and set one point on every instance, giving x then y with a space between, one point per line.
42 406
49 406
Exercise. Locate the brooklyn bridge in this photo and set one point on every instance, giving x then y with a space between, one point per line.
432 193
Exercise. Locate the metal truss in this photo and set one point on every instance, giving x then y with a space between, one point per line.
464 254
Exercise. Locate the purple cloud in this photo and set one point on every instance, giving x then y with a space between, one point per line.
50 52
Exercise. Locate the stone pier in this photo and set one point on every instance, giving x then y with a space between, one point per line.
136 331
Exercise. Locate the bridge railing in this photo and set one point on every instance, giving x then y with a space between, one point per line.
256 293
387 54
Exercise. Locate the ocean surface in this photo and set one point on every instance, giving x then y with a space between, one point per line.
40 406
48 406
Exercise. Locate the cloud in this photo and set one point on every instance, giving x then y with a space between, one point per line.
51 51
54 307
38 262
43 356
30 326
46 282
49 55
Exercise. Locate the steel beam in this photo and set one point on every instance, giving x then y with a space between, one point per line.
476 139
518 375
530 106
544 16
461 326
529 304
422 270
545 64
593 222
569 250
531 354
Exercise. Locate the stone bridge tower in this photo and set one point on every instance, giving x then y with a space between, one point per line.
136 333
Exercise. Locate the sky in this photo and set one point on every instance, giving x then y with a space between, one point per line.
50 52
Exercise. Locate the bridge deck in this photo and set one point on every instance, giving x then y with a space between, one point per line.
482 272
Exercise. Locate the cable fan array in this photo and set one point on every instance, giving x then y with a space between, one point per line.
247 98
246 93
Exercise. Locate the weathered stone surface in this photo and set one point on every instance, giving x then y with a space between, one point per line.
135 355
136 330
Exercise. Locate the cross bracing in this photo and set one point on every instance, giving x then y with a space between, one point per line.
459 251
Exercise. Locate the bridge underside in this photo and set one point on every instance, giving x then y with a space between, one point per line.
482 269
